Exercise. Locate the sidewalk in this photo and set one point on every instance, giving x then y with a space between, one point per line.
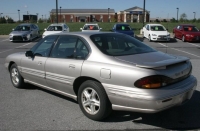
4 36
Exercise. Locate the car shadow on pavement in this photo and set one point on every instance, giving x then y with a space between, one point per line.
185 117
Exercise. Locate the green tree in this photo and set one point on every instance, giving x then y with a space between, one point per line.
40 20
183 17
173 20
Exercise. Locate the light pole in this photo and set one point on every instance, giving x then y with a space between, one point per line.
37 17
177 13
60 13
19 14
57 11
143 12
108 14
194 14
42 17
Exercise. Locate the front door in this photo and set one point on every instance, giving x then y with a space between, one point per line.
33 68
65 63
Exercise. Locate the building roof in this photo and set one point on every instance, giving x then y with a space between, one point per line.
84 10
136 8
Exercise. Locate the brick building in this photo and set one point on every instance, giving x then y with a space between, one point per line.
83 15
134 14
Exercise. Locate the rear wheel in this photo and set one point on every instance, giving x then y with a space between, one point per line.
93 100
16 79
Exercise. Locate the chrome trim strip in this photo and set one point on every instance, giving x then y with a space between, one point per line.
51 89
33 72
59 78
125 108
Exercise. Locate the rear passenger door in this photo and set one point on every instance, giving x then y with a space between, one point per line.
65 63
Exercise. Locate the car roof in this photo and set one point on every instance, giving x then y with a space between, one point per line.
57 24
91 24
155 24
186 25
26 24
86 34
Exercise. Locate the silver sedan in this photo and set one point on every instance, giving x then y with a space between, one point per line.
104 72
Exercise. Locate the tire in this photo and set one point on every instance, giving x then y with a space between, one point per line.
93 100
183 38
16 79
174 36
149 38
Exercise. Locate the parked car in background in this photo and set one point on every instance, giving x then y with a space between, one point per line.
24 32
156 32
186 32
104 71
91 27
123 28
55 28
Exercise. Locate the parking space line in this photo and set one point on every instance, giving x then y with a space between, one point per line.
180 50
16 47
194 44
185 52
5 40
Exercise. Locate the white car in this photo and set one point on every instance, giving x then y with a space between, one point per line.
90 27
55 28
156 32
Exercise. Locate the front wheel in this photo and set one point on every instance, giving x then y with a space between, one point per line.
16 79
183 38
93 100
149 38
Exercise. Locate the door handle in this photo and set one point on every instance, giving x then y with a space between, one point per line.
39 62
71 66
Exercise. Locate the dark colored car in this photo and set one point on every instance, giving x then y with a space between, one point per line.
123 28
186 32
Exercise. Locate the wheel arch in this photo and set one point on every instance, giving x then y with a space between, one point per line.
79 81
10 64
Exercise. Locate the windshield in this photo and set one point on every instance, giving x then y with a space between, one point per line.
119 44
123 28
190 28
54 28
22 28
90 27
158 28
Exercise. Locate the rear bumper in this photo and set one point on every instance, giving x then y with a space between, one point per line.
154 100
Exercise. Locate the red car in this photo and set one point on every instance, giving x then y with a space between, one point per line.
186 32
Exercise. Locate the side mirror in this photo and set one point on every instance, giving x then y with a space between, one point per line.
64 29
29 54
100 28
45 29
13 29
81 28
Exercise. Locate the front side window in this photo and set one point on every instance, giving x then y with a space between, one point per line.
65 47
43 48
119 44
54 28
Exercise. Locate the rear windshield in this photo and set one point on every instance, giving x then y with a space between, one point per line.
123 28
90 27
22 28
54 28
190 28
115 44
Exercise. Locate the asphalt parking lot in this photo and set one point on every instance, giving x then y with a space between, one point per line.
38 109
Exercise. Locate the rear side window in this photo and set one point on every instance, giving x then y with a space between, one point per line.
119 44
65 47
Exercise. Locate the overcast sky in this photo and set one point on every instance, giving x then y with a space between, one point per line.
158 8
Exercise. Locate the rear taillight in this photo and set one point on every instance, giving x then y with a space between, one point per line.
152 82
